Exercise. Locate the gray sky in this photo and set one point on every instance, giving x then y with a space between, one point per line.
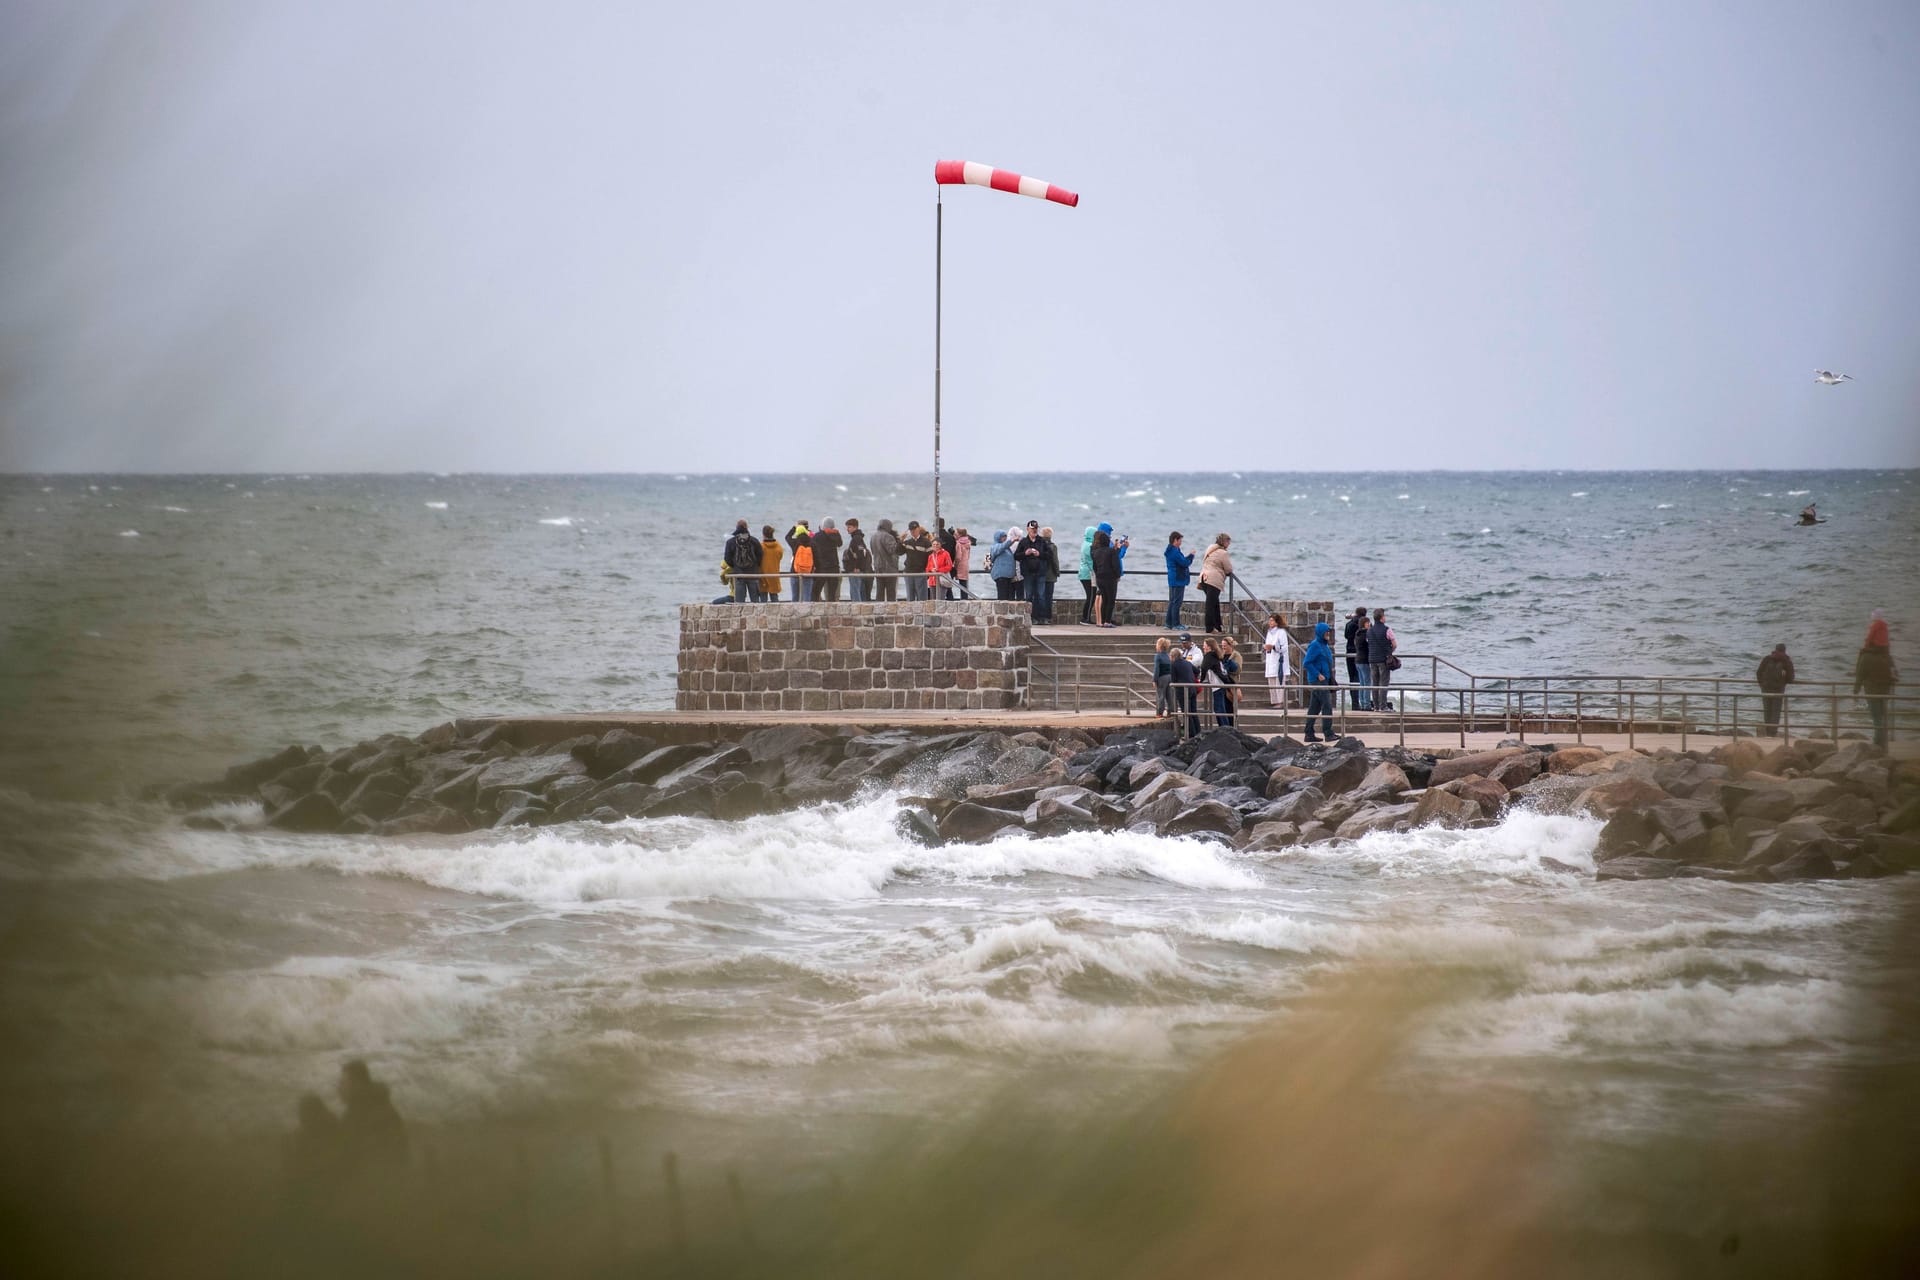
369 236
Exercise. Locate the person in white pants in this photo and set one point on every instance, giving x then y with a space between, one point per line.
1275 649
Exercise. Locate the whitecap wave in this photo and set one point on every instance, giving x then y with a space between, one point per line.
563 522
1204 500
129 533
436 506
1798 493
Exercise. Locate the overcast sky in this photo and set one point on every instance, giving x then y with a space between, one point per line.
647 237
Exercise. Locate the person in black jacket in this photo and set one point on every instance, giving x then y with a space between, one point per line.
1106 578
857 559
1380 659
741 555
1185 695
1030 553
826 559
1358 674
915 548
1773 675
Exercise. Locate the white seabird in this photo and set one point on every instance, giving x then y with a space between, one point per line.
1828 378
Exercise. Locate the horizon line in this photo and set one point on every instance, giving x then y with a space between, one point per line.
1101 471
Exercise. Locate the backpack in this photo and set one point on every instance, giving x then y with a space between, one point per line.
803 559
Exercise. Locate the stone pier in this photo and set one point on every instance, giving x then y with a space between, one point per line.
923 655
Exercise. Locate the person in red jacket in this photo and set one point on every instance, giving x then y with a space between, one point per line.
939 562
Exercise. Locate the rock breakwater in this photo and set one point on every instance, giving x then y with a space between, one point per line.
1748 810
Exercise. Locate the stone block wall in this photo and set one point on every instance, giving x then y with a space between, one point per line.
923 655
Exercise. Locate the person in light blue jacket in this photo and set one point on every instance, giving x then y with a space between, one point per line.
1002 564
1086 574
1179 574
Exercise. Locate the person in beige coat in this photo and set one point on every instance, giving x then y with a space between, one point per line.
1215 568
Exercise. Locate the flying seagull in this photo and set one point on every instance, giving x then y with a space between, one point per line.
1828 378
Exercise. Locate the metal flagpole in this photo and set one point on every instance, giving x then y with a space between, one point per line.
939 529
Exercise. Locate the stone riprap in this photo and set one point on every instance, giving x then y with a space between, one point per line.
945 655
1745 811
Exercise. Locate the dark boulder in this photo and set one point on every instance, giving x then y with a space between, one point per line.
1208 815
916 826
737 796
1637 868
971 822
1344 773
314 811
525 773
659 762
613 751
245 777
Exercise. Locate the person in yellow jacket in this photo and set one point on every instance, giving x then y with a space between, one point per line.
769 563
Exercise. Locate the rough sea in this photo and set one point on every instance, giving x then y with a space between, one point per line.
774 994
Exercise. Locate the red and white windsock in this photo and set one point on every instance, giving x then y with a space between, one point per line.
949 173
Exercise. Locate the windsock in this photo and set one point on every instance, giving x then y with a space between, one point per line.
950 173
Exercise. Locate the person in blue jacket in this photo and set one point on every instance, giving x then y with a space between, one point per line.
1316 668
1002 565
1179 574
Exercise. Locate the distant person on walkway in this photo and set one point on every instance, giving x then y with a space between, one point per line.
1380 647
826 559
1215 568
1001 565
857 558
1179 574
886 560
1877 629
802 543
962 561
1106 577
769 565
939 566
1162 677
1086 574
915 548
1316 668
1773 675
1031 555
1875 675
1185 696
1357 659
1050 576
1274 648
741 556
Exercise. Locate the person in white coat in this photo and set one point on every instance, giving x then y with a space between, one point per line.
1274 647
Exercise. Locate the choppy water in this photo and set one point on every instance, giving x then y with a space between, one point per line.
813 964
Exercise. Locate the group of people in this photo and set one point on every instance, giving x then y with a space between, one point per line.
1874 675
820 560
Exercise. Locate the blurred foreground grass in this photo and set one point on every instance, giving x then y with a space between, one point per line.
1301 1151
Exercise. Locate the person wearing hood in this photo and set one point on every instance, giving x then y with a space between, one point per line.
769 565
1179 574
1086 574
857 559
826 559
1106 576
802 567
1773 675
1316 668
1875 675
741 556
886 560
794 535
1001 564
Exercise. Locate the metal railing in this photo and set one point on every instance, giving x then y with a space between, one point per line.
1643 711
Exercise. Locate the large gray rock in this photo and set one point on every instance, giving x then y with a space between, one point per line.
1637 869
1055 816
1344 774
245 777
1382 782
312 812
1207 815
705 768
971 822
1297 807
1261 837
1371 818
783 741
613 751
1165 784
1480 762
1516 770
1439 808
524 773
659 762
